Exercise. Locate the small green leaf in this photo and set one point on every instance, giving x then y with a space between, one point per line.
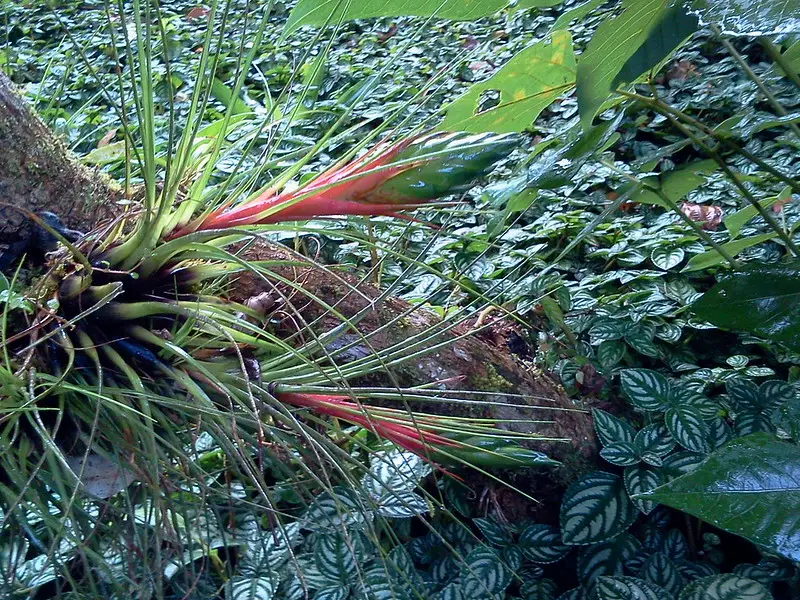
645 389
542 544
750 487
654 441
594 509
763 300
495 533
667 257
725 587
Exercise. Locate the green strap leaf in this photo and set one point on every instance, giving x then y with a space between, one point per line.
610 48
750 487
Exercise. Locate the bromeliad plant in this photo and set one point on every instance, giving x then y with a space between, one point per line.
142 309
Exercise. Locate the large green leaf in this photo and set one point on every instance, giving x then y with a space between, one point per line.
750 487
321 12
594 509
528 83
751 17
763 300
610 49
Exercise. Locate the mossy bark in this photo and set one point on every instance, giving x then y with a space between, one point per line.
37 172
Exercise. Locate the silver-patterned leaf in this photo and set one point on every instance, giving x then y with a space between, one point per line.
629 588
622 454
725 587
611 429
687 427
666 257
594 509
251 588
542 544
655 440
658 569
610 352
639 480
483 574
646 389
607 558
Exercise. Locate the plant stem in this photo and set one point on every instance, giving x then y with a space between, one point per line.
675 208
778 58
666 110
739 185
776 105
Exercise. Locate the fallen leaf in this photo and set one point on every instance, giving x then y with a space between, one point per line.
107 138
198 12
709 216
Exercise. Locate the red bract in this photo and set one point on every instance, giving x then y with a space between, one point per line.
341 190
411 436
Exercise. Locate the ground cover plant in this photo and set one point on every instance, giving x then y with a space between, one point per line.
352 300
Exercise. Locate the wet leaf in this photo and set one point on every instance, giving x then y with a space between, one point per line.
762 300
750 487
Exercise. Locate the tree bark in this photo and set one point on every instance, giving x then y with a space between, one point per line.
38 173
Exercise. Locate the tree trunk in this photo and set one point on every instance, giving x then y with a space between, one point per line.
38 173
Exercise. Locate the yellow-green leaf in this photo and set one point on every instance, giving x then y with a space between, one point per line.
528 83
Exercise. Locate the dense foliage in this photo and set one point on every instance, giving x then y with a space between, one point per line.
642 239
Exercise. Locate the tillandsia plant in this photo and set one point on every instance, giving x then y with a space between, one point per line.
141 307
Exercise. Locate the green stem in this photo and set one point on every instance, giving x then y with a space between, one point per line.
780 60
667 110
776 105
739 185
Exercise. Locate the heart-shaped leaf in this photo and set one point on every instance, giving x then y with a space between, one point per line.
594 509
750 487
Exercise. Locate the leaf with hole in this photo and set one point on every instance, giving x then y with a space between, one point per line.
594 509
527 84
